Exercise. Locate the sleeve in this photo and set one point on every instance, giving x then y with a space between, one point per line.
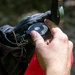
10 63
13 59
34 68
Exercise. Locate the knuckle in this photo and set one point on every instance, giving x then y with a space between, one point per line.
56 29
39 42
39 45
63 38
71 43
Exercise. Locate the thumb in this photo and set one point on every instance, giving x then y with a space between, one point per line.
39 44
37 38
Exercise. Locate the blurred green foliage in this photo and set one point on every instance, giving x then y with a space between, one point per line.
12 10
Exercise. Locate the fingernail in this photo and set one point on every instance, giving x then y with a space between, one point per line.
33 33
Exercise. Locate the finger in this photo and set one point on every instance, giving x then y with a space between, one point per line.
70 46
49 23
37 38
71 53
55 30
40 59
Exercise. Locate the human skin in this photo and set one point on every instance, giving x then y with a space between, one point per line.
54 55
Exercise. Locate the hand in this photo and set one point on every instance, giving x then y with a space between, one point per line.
54 54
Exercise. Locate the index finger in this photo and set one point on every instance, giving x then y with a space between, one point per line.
55 30
50 24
